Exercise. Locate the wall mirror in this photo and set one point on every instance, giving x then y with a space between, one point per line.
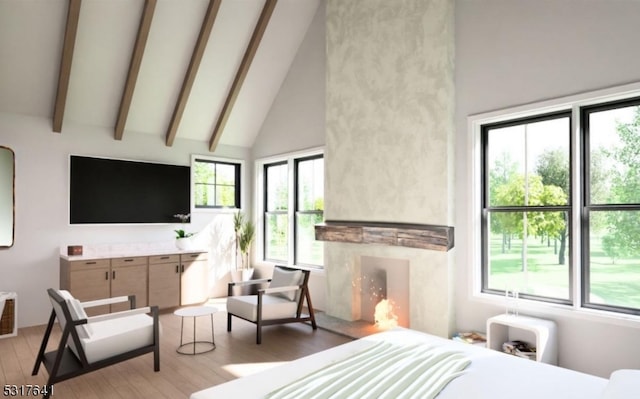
7 196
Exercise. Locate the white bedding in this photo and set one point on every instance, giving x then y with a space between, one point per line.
491 374
383 371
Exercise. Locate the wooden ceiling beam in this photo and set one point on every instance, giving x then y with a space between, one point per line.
192 70
73 16
249 54
134 67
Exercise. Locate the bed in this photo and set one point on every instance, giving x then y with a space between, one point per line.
487 373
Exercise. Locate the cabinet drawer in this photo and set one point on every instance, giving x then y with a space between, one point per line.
88 264
134 260
194 256
159 259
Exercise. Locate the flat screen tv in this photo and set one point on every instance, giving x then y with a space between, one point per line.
106 191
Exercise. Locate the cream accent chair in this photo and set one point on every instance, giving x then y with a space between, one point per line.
282 302
91 343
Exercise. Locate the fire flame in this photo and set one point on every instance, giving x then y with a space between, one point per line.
384 316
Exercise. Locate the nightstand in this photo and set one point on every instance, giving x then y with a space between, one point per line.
541 332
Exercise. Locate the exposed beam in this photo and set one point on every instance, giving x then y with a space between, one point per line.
134 66
258 32
196 57
73 16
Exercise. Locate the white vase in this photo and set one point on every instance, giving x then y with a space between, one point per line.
184 243
242 275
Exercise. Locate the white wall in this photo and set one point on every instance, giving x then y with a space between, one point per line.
512 52
296 120
42 222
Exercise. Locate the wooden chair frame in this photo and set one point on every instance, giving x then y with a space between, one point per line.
62 364
259 322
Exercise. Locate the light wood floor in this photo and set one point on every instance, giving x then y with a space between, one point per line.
180 375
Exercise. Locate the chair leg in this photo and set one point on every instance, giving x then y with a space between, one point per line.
43 345
156 335
156 358
259 319
259 334
228 321
310 309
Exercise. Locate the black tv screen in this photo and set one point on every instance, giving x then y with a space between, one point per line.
119 191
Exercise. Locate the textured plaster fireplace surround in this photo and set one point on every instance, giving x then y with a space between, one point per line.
389 144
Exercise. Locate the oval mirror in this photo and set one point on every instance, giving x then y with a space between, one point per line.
7 184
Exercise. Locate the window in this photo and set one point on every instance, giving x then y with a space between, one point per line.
526 207
216 183
309 210
293 203
276 218
611 227
554 181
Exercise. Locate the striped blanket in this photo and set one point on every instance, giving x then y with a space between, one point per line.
384 370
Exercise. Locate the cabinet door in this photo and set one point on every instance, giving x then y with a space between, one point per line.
164 284
194 282
129 277
88 282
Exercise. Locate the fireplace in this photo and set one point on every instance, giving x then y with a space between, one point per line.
384 279
427 274
408 264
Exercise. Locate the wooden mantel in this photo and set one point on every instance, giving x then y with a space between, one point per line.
424 236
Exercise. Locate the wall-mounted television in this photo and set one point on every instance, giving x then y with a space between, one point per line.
106 191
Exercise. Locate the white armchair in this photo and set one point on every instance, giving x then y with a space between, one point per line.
282 302
91 343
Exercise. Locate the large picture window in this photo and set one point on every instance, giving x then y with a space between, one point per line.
293 203
553 181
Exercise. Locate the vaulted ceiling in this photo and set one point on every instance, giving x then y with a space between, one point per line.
205 70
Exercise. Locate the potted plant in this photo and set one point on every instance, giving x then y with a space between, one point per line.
244 235
245 238
182 237
238 221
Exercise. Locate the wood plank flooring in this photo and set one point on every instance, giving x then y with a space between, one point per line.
236 354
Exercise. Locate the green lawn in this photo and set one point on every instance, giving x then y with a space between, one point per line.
611 283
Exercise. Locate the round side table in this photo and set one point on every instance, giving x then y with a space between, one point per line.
195 312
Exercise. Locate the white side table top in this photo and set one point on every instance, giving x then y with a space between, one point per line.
195 311
522 321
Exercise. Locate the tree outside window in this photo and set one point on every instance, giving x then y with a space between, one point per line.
528 206
216 184
293 205
612 250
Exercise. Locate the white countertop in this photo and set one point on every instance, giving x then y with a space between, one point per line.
109 251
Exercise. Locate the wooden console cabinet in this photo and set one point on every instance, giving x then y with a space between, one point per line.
129 277
167 281
193 283
164 281
87 280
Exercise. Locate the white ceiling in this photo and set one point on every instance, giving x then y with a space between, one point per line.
31 39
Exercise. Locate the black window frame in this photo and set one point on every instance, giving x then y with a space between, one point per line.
587 207
297 211
486 209
267 212
237 184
